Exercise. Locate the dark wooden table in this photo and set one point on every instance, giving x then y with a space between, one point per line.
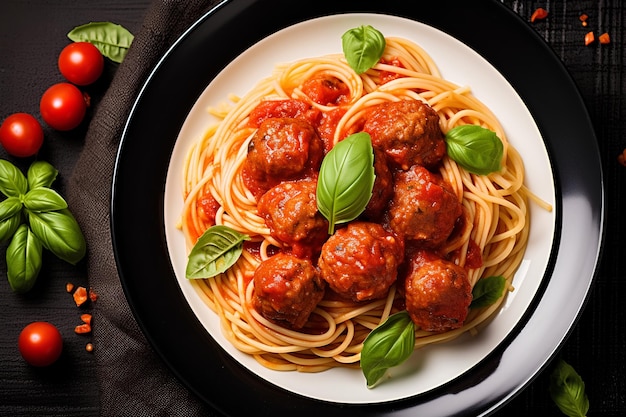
33 32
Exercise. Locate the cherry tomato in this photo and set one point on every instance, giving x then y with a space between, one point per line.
40 343
63 106
81 63
21 135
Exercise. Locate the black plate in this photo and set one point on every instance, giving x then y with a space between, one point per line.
139 235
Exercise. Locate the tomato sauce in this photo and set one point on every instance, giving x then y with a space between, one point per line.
254 249
327 91
474 258
208 207
292 108
256 187
386 76
328 125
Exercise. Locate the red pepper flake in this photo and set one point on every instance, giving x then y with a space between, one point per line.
583 19
621 158
89 347
92 295
539 14
604 38
80 296
589 38
86 318
82 328
69 287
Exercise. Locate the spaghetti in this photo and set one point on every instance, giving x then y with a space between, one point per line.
495 207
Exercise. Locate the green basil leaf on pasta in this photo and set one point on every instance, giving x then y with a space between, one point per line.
24 258
346 180
363 46
475 148
12 182
216 250
41 174
60 233
43 199
567 390
388 345
112 40
487 291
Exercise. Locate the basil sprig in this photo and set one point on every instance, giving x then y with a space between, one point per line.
487 291
386 346
216 250
33 217
475 148
567 390
112 40
346 180
363 46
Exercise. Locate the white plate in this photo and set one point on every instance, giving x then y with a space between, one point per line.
433 366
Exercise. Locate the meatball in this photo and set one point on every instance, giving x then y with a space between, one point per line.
282 149
382 190
407 131
290 212
287 289
423 208
437 292
360 261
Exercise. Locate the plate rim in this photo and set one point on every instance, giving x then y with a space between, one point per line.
131 293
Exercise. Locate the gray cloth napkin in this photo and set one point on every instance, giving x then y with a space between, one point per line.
133 380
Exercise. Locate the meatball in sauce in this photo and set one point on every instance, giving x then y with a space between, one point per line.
281 149
287 289
423 209
437 292
360 261
407 131
290 212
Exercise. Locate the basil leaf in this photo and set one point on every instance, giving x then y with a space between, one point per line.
10 217
41 174
12 181
24 258
112 40
386 346
9 207
9 225
59 233
346 180
363 47
567 390
487 291
216 250
475 148
44 199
